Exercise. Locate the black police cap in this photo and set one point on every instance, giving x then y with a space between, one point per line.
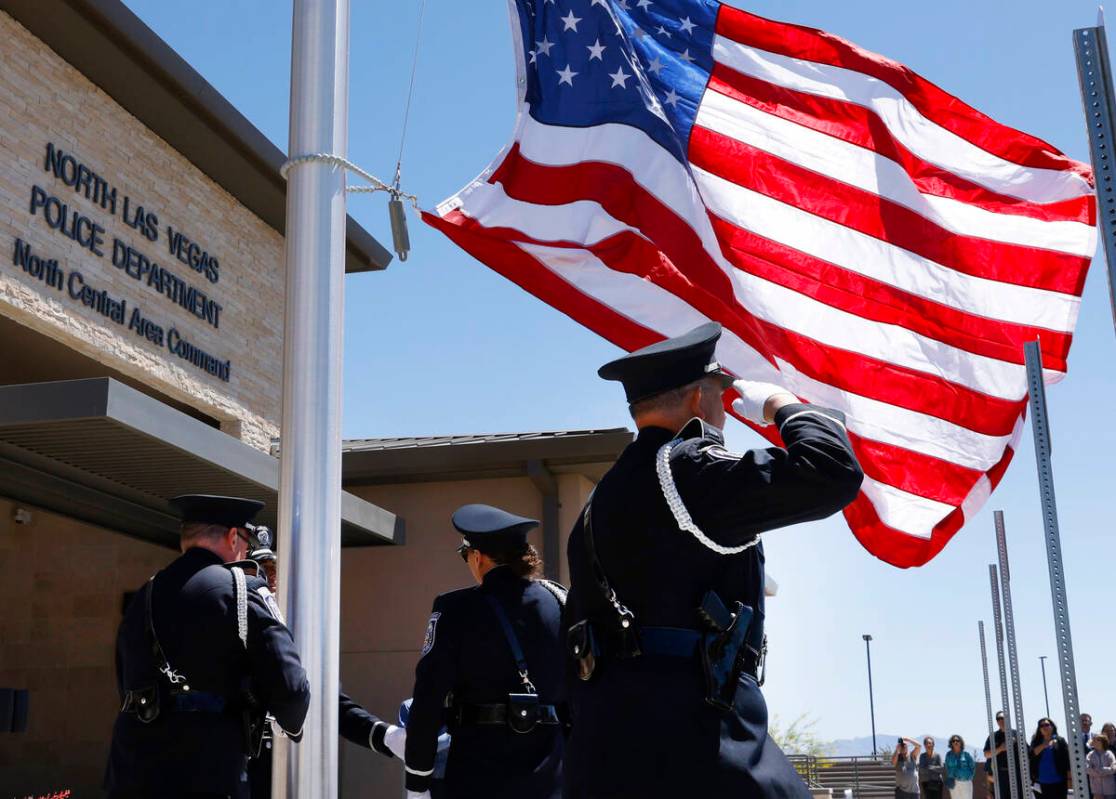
669 364
485 527
211 509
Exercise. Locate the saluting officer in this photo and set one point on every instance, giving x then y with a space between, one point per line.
356 723
665 614
495 649
201 656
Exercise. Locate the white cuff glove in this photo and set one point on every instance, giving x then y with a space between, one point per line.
395 739
414 795
753 398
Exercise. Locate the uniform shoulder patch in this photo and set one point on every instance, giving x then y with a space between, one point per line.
270 602
431 631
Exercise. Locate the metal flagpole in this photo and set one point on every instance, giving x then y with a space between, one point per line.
871 697
1095 77
1010 747
988 707
1009 622
310 444
1040 425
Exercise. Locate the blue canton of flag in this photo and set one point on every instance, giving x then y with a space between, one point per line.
643 63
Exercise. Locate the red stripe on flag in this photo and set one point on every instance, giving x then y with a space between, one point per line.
883 219
862 127
810 44
880 302
615 189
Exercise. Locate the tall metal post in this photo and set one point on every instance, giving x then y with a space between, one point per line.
310 450
1095 77
1009 627
1045 695
1040 425
871 697
988 708
1011 748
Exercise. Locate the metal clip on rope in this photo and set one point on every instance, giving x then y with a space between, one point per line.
401 241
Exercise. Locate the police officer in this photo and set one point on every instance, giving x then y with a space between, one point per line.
665 614
356 723
201 655
495 650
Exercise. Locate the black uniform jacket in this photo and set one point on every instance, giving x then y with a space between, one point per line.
466 654
641 727
194 612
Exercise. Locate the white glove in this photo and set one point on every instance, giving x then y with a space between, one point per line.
395 739
753 398
414 795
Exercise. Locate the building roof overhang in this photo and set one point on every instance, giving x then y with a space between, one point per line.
102 452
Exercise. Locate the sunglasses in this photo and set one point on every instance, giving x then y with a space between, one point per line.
1046 724
464 551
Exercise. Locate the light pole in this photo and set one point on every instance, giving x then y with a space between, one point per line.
1042 662
871 700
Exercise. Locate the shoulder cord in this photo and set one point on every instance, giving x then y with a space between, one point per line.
557 589
678 508
240 591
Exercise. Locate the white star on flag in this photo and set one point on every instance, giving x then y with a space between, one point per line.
566 75
689 59
687 25
672 98
595 50
544 46
619 78
570 22
655 65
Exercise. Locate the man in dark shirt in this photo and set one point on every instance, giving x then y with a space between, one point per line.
996 749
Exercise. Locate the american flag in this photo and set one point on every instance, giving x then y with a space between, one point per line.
866 239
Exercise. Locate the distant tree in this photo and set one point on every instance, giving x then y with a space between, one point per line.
798 737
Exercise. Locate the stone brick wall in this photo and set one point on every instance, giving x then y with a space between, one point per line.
43 100
61 588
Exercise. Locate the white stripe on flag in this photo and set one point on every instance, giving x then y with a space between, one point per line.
923 137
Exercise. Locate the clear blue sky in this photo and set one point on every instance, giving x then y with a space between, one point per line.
440 344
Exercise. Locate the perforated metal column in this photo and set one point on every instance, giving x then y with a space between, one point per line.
1009 629
1012 749
1064 641
1095 77
988 708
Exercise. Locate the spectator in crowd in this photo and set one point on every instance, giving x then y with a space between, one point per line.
995 748
1100 765
1050 761
1086 731
959 770
930 771
1109 731
905 763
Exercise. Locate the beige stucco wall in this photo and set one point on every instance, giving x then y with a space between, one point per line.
62 585
45 100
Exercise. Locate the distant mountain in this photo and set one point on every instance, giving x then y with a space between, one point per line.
852 747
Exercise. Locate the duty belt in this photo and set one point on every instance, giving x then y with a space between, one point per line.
180 702
683 643
496 715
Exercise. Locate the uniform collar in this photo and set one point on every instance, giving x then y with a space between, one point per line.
499 574
202 556
695 428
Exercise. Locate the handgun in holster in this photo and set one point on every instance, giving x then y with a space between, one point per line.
724 634
254 724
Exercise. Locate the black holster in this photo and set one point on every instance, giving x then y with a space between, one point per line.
581 642
523 712
722 651
253 720
143 702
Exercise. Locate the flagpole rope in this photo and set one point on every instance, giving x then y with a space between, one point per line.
345 163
